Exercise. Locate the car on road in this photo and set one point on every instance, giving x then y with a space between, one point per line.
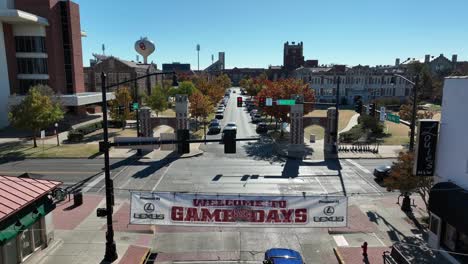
230 126
382 172
233 91
261 128
282 256
221 108
253 112
214 121
214 128
219 114
256 118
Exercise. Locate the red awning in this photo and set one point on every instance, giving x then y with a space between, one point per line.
16 193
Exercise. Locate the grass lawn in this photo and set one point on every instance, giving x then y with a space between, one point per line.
344 117
19 150
167 113
398 132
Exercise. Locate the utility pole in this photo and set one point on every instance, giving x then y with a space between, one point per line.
198 55
111 251
415 110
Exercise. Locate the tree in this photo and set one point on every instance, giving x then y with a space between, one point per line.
200 106
185 87
371 123
284 89
36 111
123 98
223 81
157 100
406 112
402 178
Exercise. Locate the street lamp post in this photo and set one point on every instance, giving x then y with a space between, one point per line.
414 110
57 134
111 252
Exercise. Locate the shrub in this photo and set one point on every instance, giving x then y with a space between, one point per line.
90 128
115 123
352 135
75 136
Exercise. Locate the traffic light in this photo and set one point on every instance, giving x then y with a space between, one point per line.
261 101
239 101
358 106
229 140
183 147
132 106
372 109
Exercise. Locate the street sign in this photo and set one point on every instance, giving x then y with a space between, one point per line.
393 118
382 114
285 102
135 106
269 102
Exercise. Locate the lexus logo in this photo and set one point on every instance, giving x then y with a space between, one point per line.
149 207
329 210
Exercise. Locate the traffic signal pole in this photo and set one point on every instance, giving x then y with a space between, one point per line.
111 251
413 116
337 106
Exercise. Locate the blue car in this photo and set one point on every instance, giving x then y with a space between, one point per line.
282 256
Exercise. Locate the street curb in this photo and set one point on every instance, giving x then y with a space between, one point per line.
338 256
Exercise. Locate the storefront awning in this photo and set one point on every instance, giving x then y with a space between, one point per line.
16 225
450 202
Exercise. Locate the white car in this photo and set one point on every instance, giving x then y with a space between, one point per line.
230 126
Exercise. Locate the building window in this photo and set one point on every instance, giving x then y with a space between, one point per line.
10 252
30 44
32 65
26 84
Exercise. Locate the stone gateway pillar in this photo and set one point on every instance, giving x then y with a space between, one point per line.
182 111
296 139
145 122
330 130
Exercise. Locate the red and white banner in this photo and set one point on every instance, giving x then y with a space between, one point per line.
237 210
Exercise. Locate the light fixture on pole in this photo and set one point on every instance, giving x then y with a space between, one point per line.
57 133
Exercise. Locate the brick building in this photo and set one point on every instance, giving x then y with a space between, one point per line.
293 57
119 70
40 43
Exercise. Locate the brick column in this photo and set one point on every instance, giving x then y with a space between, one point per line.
296 136
145 122
330 129
182 111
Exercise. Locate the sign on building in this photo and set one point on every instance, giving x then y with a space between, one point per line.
237 210
426 143
269 101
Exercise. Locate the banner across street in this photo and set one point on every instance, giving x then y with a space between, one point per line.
163 208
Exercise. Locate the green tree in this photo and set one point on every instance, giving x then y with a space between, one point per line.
123 98
185 87
223 81
371 123
402 178
157 100
36 111
406 112
200 106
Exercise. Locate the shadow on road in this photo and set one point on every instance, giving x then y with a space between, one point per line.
263 149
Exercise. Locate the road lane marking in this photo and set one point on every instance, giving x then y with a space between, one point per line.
93 183
381 242
364 178
324 190
358 166
162 176
340 241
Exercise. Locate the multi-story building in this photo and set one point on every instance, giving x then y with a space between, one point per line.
119 70
448 199
177 67
237 74
363 81
293 57
40 43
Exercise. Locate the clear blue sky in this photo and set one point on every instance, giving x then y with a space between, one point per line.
252 32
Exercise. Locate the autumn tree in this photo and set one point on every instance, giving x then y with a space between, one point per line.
402 178
123 98
284 89
157 101
200 106
406 112
39 109
223 81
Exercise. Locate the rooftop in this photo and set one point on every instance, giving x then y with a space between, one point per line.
16 193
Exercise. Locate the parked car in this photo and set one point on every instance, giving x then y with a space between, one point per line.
230 126
256 118
219 115
214 128
214 121
283 256
261 128
382 172
221 108
253 112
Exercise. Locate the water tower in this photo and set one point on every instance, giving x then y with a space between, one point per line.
144 47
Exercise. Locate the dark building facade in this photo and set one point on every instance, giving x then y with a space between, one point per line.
176 67
237 74
119 70
293 57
